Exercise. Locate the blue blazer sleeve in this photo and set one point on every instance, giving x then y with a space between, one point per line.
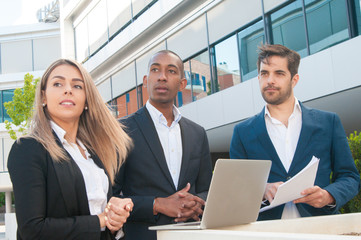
345 177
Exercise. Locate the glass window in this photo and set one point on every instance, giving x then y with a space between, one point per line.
119 15
81 40
3 110
3 162
7 95
132 103
326 23
121 106
139 5
0 61
105 89
249 40
227 63
97 27
65 2
144 94
50 46
288 27
126 104
141 95
185 96
112 104
16 56
123 80
358 15
200 76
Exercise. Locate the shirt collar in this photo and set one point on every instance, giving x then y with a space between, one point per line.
58 131
61 135
296 107
158 117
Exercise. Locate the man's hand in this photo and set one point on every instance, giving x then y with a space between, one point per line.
181 205
270 192
316 197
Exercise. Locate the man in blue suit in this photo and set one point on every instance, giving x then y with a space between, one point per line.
289 134
167 174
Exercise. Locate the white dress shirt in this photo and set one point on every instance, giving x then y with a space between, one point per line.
96 181
170 139
285 140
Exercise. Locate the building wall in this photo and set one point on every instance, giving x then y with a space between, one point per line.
217 41
23 49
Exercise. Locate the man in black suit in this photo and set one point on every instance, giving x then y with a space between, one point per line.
167 174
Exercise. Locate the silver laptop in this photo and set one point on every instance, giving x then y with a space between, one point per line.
234 196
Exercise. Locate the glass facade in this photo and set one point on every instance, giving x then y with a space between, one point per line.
197 71
139 6
249 39
306 26
200 76
227 63
32 54
125 104
129 102
119 15
92 33
326 23
288 28
357 13
185 96
6 96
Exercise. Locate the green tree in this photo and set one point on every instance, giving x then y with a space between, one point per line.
2 199
354 140
20 109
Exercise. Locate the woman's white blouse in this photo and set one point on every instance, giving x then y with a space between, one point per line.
96 181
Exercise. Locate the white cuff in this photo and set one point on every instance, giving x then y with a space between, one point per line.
120 234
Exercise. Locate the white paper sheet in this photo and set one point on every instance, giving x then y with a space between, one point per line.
291 190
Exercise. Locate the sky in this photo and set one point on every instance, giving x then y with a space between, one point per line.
20 12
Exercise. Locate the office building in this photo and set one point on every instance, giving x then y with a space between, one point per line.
217 41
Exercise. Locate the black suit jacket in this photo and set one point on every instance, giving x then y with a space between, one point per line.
50 197
145 175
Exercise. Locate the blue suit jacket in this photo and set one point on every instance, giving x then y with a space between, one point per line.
145 175
322 136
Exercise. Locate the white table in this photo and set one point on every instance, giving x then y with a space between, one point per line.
315 228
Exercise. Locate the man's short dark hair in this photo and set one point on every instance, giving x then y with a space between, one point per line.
268 50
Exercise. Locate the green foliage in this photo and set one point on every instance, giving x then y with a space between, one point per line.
209 92
2 199
354 140
20 108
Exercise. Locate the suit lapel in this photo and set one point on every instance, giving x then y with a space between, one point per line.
261 132
71 184
307 130
146 126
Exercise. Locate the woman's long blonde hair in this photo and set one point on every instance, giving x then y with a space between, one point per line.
98 129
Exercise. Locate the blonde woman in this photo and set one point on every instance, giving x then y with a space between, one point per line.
63 170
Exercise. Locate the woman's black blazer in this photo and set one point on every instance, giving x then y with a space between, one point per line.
50 197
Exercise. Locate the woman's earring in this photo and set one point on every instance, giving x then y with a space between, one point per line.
44 104
86 108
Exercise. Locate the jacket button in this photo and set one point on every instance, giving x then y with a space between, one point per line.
288 178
